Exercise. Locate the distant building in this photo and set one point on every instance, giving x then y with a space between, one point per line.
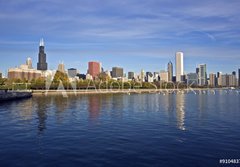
29 63
179 66
225 80
72 72
89 77
202 75
232 80
61 68
192 79
170 71
1 75
130 75
149 77
142 76
117 72
156 76
81 76
212 80
164 76
42 58
94 69
183 78
219 79
24 73
174 79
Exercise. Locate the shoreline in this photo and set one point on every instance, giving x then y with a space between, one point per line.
120 91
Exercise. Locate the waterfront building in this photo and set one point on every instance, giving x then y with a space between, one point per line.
131 75
170 71
61 68
42 58
24 73
94 69
81 76
219 78
192 79
117 72
142 76
149 77
183 78
225 80
202 74
72 72
89 77
164 76
156 76
212 79
179 66
232 80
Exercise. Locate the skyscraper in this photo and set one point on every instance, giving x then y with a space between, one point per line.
170 71
192 79
202 74
29 63
179 66
72 72
164 76
131 75
61 68
212 80
94 69
42 61
117 72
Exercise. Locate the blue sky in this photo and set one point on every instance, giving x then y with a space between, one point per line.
133 34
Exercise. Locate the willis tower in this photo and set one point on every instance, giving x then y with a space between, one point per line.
42 62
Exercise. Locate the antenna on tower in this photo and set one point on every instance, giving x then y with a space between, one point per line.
41 42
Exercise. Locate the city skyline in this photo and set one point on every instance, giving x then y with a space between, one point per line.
153 32
179 65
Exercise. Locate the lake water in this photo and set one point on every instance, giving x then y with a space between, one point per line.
121 130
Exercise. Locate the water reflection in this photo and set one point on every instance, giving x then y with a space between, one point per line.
41 110
180 109
94 106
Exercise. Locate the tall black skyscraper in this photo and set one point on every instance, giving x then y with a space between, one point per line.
42 62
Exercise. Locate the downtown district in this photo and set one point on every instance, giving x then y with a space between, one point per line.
197 78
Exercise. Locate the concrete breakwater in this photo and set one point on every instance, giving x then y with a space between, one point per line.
14 95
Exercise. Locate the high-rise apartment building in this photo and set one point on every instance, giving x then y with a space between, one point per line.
202 74
212 80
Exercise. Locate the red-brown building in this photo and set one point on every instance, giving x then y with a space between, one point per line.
94 69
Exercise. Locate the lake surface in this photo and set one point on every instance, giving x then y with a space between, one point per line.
121 130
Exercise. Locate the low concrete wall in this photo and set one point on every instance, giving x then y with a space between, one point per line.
13 95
